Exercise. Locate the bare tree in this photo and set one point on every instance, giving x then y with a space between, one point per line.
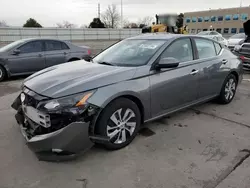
3 24
146 20
111 17
66 24
83 26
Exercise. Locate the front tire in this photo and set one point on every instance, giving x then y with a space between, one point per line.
228 90
120 121
2 73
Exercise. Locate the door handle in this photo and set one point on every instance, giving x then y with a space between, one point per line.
65 53
194 72
40 55
224 61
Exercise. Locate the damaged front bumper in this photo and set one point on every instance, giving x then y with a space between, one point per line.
64 143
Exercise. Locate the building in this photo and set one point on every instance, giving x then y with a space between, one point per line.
225 21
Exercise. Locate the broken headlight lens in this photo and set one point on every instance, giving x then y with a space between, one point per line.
77 101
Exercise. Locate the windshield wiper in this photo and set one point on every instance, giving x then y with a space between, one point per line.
106 63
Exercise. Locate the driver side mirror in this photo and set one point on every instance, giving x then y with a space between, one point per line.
16 52
168 62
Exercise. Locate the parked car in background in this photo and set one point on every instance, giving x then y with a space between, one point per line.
27 56
243 50
65 109
217 38
211 33
236 39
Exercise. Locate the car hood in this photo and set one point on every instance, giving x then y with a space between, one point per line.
76 77
234 41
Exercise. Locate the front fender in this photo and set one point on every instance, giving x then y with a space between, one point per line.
138 88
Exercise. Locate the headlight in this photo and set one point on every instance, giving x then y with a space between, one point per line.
77 101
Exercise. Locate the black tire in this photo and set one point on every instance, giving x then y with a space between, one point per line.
2 73
74 59
223 99
104 120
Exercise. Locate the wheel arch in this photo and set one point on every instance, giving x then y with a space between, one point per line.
131 96
74 59
5 68
235 74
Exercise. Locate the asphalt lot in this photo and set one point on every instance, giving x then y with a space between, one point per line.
203 147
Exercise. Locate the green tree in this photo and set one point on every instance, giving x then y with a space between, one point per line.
179 22
31 23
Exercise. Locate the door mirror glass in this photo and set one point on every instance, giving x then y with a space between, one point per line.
16 52
168 62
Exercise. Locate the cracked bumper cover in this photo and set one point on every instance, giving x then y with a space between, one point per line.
62 144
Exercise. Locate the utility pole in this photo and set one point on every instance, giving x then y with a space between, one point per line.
121 14
240 3
99 11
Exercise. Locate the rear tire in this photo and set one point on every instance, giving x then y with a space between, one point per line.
228 90
120 121
2 73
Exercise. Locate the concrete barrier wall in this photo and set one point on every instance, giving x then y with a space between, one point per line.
10 34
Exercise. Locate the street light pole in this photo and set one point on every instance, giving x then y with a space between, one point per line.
121 13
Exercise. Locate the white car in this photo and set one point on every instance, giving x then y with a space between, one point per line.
236 39
209 33
217 38
221 40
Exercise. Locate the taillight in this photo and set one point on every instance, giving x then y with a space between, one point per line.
242 58
89 52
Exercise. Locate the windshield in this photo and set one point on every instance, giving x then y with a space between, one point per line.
203 33
129 52
11 45
238 36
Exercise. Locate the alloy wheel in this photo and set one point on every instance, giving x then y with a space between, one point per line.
121 126
230 89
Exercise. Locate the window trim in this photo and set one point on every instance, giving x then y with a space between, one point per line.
41 41
45 47
215 48
198 58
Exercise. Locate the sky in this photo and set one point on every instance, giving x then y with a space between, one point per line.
80 12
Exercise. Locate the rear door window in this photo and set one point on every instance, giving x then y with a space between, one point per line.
54 45
64 46
205 48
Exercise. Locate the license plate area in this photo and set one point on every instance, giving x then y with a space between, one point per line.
37 116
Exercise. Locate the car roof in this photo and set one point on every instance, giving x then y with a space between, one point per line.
161 36
31 39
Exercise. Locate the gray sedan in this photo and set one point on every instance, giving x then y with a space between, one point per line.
27 56
65 109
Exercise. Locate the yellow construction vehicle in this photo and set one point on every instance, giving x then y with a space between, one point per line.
164 23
